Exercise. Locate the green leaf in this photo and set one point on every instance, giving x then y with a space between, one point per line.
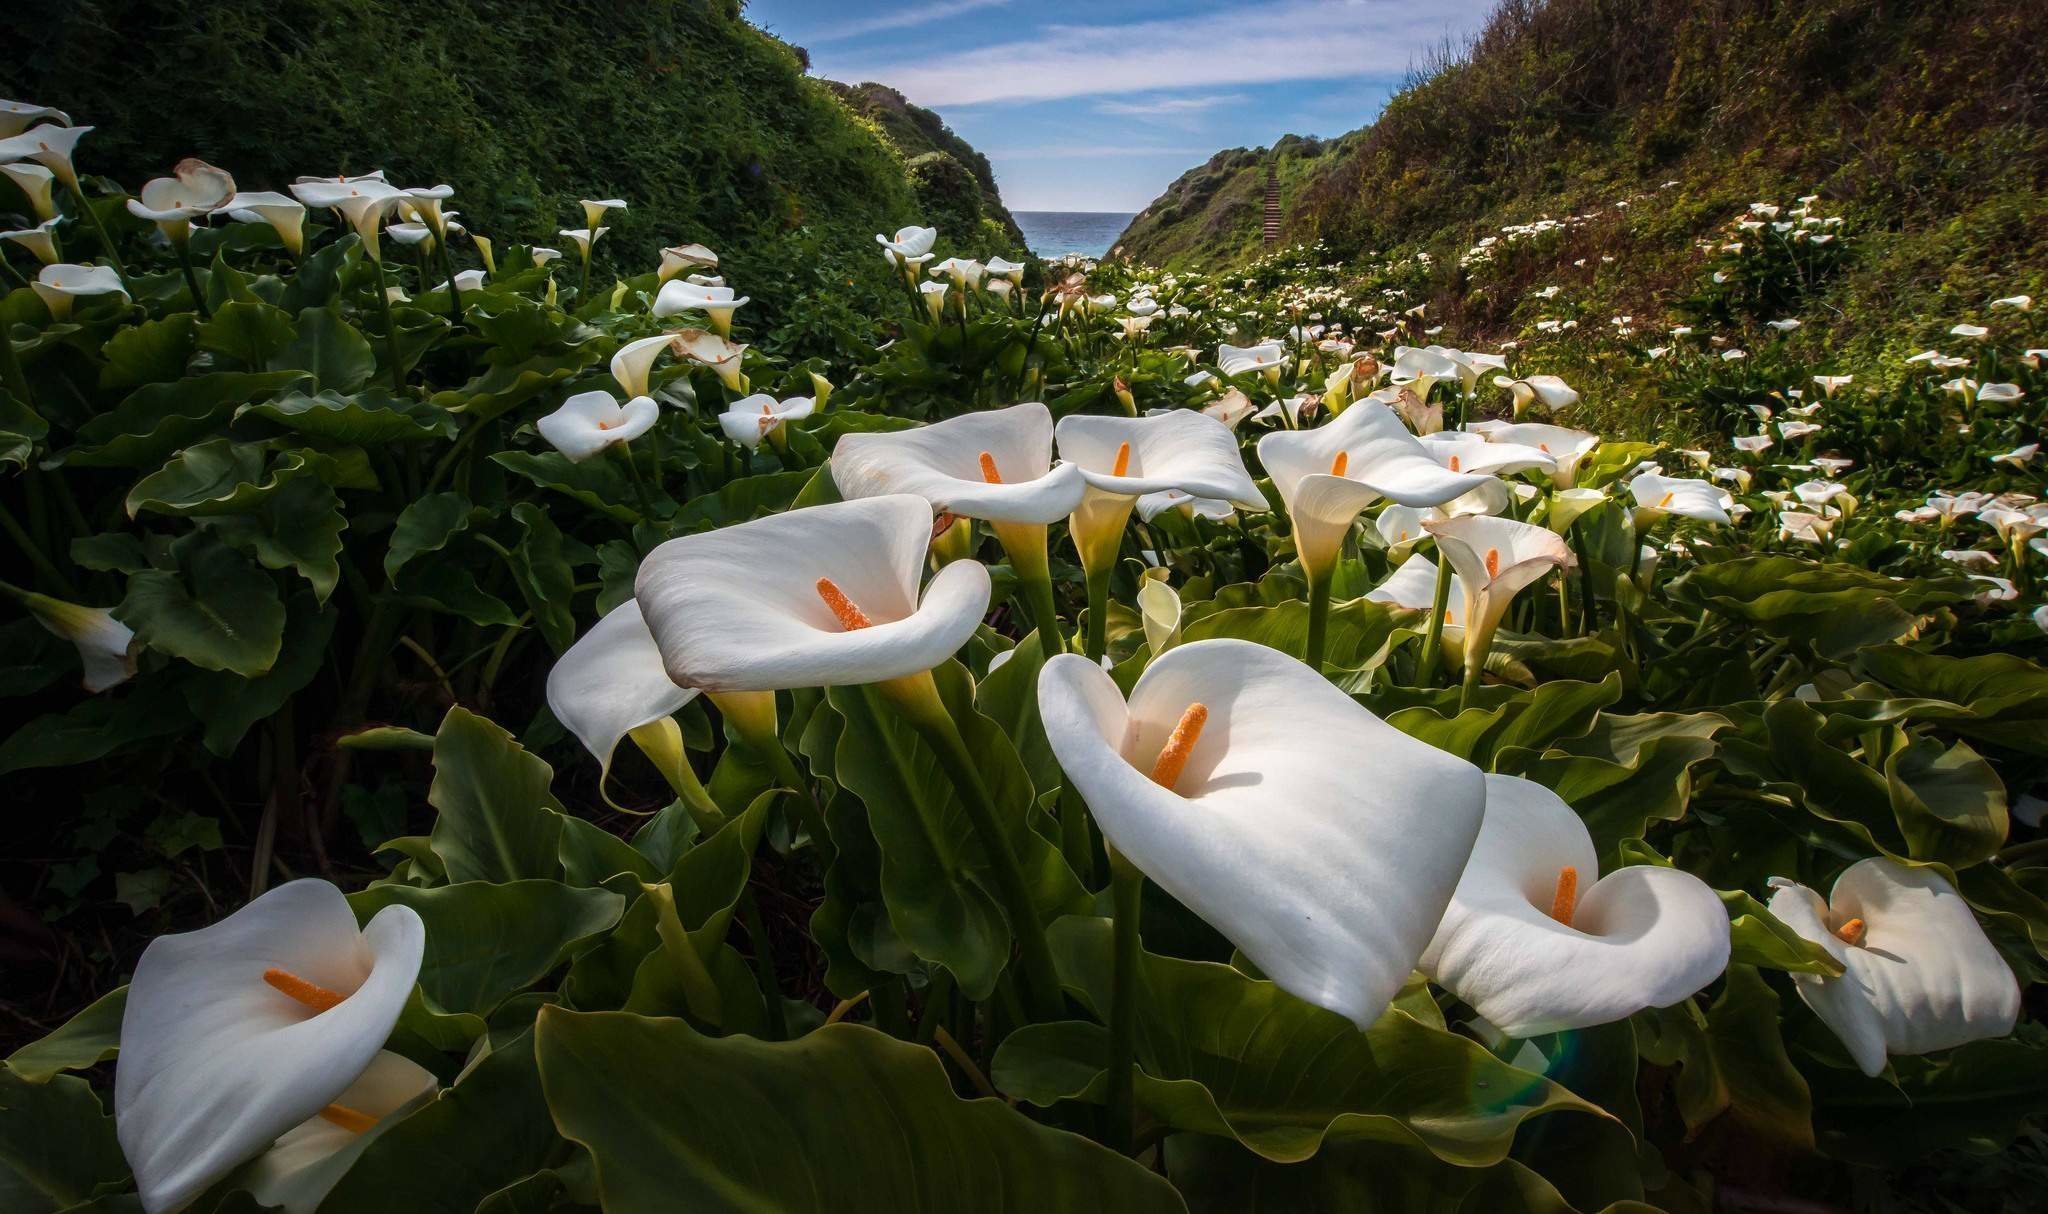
490 1130
250 332
230 704
57 1145
298 528
426 525
544 575
1975 1097
2001 698
1836 607
155 420
368 417
218 611
1765 1091
152 352
1359 633
1222 1053
340 358
842 1120
1760 938
219 476
1627 771
1950 805
495 822
97 727
87 1039
597 483
486 941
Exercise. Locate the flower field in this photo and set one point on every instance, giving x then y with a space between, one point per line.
1136 740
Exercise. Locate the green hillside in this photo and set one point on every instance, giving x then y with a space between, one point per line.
924 140
1923 124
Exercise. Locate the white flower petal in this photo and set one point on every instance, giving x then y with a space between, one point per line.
941 463
611 682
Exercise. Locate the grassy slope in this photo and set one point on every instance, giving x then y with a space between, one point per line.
1924 124
707 126
916 131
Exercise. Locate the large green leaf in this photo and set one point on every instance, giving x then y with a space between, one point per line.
489 1130
544 576
151 352
596 483
339 358
1360 632
230 704
1222 1053
249 332
498 821
936 876
842 1120
298 528
217 611
369 416
1626 772
87 1039
97 727
1836 607
1999 697
426 525
220 476
1975 1097
1950 805
56 1144
157 419
486 941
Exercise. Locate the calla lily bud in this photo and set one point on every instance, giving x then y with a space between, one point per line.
106 646
934 298
821 390
1124 397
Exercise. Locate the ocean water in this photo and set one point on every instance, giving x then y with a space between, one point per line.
1058 233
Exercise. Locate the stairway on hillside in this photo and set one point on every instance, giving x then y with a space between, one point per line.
1272 227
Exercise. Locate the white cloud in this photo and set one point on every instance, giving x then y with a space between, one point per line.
902 18
1260 43
1161 107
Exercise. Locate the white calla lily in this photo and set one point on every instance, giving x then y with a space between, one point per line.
1485 454
1159 611
1320 840
1921 975
611 682
594 209
48 145
40 240
35 182
1547 391
755 419
1327 475
60 285
589 422
1413 587
18 116
1703 501
682 258
633 364
1495 559
1534 950
909 242
302 1168
706 349
286 216
194 190
238 1032
106 646
994 465
1267 358
1566 447
718 303
818 597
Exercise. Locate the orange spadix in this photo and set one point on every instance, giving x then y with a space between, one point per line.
851 617
1852 932
988 469
1566 899
355 1121
313 995
1179 745
1338 465
1123 460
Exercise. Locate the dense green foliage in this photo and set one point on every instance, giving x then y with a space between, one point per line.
918 132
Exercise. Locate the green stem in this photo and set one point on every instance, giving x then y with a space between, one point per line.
764 966
1318 619
1589 606
1127 886
454 292
1477 643
1098 613
390 333
192 279
918 699
34 552
11 373
1077 836
99 227
1433 641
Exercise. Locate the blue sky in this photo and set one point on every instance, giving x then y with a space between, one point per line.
1098 106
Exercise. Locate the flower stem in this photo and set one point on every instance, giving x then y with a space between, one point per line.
1433 641
99 228
1127 886
753 716
1098 613
917 698
1589 606
1477 643
192 279
1025 546
390 333
1318 618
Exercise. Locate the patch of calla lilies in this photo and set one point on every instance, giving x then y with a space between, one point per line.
1187 748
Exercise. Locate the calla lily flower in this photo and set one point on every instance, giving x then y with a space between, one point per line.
758 417
1485 454
40 240
2002 394
710 350
1413 587
1533 951
193 191
994 465
964 272
34 181
1566 447
2018 457
1320 840
934 294
286 215
589 422
1266 358
1548 391
238 1032
543 255
465 280
594 209
1495 558
61 284
1159 611
297 1173
1327 475
583 239
911 242
1123 458
18 116
1831 384
1420 368
716 302
363 202
1702 501
1921 975
676 260
823 596
1013 271
611 682
106 646
50 146
633 363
